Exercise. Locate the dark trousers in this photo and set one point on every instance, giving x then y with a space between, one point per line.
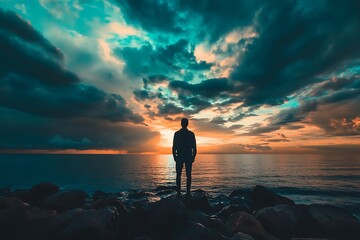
179 167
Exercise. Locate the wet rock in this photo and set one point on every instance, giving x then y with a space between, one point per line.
37 194
239 193
198 200
198 231
66 200
264 197
162 217
93 224
282 221
210 222
61 221
101 203
242 236
246 223
5 191
230 209
165 188
12 203
23 222
331 221
138 194
97 195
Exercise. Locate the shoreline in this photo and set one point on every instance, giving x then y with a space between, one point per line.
45 212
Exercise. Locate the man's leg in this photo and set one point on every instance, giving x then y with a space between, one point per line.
188 166
179 167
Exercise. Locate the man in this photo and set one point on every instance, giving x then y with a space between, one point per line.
184 151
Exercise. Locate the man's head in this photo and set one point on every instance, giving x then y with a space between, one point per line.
184 122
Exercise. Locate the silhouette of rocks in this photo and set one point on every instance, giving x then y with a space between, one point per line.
198 200
107 202
246 223
66 200
264 197
93 224
282 221
4 191
242 236
37 194
149 215
195 230
330 221
11 203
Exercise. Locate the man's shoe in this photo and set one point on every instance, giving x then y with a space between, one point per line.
188 194
178 194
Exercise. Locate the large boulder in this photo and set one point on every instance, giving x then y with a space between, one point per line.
195 231
66 200
330 221
230 209
211 222
22 222
264 197
242 236
37 194
108 202
282 220
246 223
12 203
93 224
198 200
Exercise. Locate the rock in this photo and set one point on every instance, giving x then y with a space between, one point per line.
93 224
138 195
239 193
101 203
97 195
198 200
62 221
4 191
264 197
37 194
12 203
143 237
242 236
331 221
198 231
63 201
282 220
230 209
210 222
23 222
165 188
311 239
163 216
246 223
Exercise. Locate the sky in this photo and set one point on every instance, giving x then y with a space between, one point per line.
117 76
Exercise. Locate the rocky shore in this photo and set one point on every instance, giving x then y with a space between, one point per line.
45 212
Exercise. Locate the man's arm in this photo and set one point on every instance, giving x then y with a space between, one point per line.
194 147
174 147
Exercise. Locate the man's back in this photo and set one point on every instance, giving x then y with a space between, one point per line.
184 145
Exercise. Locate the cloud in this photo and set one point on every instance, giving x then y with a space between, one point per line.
52 105
21 130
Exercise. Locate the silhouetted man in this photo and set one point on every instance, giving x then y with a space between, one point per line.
184 151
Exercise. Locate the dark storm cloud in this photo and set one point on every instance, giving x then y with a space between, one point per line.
21 130
152 15
32 81
285 117
11 23
169 59
209 88
212 18
296 43
45 106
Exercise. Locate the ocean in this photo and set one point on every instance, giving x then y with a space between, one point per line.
305 178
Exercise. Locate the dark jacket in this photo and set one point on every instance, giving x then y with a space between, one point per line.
184 145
